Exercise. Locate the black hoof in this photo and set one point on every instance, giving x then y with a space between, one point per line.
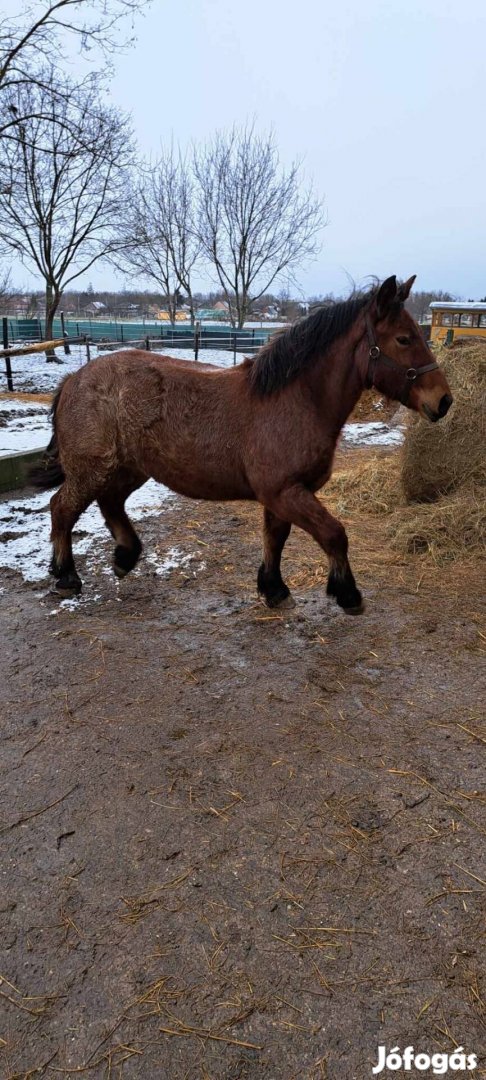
69 585
126 558
54 569
358 610
273 589
344 590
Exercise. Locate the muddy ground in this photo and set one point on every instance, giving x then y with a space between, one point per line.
237 844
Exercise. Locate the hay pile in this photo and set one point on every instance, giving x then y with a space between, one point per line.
440 458
373 406
368 483
452 528
444 467
434 490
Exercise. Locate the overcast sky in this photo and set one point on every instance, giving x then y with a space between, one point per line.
384 100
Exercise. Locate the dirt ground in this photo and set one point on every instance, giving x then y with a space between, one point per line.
237 844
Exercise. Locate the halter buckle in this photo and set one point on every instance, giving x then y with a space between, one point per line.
411 374
374 352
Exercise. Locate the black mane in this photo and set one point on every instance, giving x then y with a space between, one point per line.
290 351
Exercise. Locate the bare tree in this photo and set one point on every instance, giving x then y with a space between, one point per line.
62 196
6 291
38 31
160 241
254 222
418 303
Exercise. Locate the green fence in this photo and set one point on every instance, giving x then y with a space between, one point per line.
97 331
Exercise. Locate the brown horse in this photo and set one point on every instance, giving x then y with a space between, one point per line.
264 430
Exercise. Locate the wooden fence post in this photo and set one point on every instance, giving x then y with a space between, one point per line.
67 350
197 338
8 366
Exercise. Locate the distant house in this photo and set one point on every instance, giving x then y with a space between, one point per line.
214 314
221 306
164 316
95 308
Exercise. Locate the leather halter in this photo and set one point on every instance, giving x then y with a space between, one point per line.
376 356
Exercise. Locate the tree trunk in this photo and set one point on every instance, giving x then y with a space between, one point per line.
52 301
243 305
191 307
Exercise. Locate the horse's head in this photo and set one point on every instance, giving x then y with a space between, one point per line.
401 365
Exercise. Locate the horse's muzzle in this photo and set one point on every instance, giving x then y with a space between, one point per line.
444 406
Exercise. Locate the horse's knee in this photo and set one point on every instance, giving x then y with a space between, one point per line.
337 541
65 510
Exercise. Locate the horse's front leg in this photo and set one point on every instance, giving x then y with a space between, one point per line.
270 582
300 507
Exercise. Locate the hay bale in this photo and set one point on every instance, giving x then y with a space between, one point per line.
444 467
373 406
451 528
439 458
367 482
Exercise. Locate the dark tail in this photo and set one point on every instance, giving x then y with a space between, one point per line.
48 472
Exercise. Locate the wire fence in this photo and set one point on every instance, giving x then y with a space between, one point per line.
109 330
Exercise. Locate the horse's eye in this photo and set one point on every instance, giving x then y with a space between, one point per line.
403 340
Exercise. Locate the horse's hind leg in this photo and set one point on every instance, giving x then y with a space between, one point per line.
111 503
67 505
270 582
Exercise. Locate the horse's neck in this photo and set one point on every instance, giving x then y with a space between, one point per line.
337 383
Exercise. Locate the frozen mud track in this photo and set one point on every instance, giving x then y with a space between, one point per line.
239 844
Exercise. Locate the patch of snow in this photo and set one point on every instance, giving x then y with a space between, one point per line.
24 425
31 433
372 433
173 559
74 603
33 373
25 525
219 357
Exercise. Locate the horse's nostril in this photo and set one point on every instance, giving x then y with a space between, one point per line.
444 404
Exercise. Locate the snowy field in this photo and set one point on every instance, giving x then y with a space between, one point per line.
24 425
33 374
24 543
372 433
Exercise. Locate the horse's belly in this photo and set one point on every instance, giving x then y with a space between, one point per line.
195 484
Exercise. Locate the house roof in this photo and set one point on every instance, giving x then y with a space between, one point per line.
469 305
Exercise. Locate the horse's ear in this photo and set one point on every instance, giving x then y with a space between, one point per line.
387 294
405 289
